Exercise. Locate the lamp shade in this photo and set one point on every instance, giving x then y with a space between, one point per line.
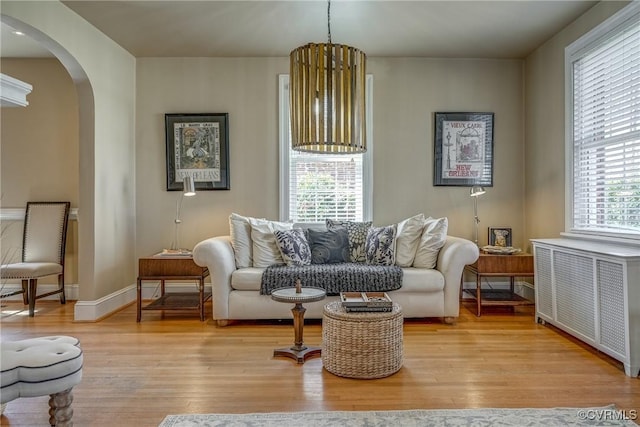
327 99
476 191
189 186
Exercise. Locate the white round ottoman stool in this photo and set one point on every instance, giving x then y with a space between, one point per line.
39 367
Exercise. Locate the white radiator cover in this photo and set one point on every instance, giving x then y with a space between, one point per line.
591 290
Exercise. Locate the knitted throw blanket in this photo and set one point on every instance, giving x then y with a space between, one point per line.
333 278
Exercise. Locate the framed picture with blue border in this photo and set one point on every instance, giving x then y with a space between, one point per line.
463 149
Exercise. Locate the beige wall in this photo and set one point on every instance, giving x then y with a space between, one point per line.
407 93
104 77
40 150
545 119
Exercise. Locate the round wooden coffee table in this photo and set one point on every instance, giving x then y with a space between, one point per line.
298 351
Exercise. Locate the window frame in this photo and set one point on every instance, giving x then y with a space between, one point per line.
284 144
609 28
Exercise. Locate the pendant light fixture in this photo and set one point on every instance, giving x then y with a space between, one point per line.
327 104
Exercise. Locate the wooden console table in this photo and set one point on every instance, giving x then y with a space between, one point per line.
490 265
162 268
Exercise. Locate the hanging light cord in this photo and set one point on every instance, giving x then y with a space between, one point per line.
329 20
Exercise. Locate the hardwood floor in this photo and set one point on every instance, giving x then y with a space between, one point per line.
137 373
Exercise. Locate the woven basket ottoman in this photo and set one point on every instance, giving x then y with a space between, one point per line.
362 345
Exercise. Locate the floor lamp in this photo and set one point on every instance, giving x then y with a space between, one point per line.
475 192
189 189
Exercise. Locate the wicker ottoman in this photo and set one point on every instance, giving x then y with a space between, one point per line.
361 345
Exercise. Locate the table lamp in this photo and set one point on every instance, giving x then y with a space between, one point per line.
189 189
475 192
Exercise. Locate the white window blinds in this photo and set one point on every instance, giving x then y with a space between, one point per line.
605 130
314 187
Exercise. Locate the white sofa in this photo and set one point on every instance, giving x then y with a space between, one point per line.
424 292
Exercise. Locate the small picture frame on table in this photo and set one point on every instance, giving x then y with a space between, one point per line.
198 145
499 236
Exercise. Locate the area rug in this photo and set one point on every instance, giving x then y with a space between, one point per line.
602 416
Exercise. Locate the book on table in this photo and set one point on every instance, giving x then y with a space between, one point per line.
175 252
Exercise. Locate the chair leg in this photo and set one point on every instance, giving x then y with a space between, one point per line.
25 292
63 298
33 286
60 411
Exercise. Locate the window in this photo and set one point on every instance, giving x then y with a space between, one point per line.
603 132
314 187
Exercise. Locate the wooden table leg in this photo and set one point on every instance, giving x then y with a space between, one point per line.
479 294
201 290
298 351
139 304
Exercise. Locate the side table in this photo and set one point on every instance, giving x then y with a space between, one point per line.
162 268
493 265
298 351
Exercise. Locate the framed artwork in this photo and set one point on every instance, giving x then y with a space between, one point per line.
463 149
198 145
499 236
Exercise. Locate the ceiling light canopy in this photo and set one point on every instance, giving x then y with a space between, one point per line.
327 97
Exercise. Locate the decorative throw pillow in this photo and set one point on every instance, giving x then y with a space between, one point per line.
328 247
407 240
265 248
294 248
433 238
357 232
240 230
380 245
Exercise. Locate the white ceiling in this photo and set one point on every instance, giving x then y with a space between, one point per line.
453 29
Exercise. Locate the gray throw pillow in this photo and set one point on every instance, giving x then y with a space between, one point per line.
329 246
293 246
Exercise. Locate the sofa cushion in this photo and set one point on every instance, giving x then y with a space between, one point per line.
380 246
413 280
407 240
265 248
328 247
433 238
293 245
357 232
247 279
240 230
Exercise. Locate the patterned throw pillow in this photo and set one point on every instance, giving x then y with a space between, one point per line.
293 246
380 245
329 246
357 232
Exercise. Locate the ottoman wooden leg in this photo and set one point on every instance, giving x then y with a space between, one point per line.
60 411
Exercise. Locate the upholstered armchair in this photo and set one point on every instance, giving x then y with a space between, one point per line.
43 248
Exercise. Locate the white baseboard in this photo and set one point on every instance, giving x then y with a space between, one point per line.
93 311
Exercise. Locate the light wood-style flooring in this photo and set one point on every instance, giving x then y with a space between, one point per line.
137 373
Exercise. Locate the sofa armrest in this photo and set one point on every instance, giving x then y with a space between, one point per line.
453 257
216 253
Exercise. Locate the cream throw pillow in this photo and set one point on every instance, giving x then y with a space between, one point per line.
434 235
240 230
407 240
265 248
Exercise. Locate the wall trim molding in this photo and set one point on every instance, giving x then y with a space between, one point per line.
94 311
14 92
18 214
